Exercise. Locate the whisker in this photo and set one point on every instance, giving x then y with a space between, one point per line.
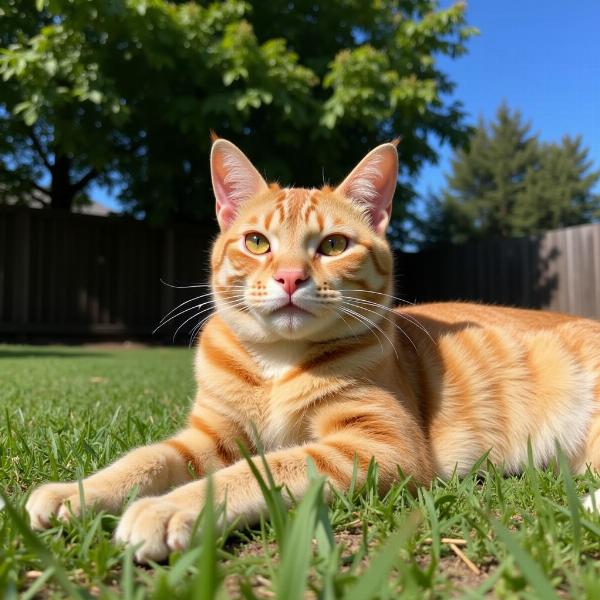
359 318
202 311
184 303
357 305
408 318
194 332
196 329
181 312
198 285
347 325
418 325
379 329
186 321
381 294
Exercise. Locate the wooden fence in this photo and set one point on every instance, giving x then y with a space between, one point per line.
64 274
67 274
558 271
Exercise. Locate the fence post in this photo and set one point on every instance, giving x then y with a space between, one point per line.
21 265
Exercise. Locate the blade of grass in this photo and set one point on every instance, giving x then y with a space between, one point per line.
533 476
44 555
272 496
572 499
297 550
37 585
468 479
481 592
435 527
179 569
127 574
89 537
323 529
583 522
381 564
208 579
530 569
352 487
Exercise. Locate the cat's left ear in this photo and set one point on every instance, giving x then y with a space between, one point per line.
372 183
234 179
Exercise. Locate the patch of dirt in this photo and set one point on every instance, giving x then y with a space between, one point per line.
261 586
460 575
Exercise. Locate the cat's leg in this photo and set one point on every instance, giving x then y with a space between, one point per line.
371 428
151 469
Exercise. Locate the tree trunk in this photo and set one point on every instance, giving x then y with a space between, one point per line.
61 190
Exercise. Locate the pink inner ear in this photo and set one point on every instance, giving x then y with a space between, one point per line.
372 183
234 180
224 205
225 215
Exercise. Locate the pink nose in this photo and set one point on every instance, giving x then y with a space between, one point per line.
290 279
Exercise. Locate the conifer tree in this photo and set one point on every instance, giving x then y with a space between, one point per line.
559 192
507 183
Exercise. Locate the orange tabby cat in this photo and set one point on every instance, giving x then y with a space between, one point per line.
305 350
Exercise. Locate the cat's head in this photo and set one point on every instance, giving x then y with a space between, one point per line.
293 263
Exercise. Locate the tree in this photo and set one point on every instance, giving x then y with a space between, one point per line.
559 192
125 92
507 183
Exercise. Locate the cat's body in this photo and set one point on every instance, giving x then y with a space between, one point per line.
497 377
472 378
306 352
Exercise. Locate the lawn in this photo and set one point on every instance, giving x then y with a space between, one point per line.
67 411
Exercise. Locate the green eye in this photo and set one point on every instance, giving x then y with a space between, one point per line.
257 243
333 245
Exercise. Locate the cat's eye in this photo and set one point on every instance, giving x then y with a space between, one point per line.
333 245
257 243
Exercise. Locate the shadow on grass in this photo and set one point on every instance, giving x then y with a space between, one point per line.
32 353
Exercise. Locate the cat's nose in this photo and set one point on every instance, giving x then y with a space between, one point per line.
290 279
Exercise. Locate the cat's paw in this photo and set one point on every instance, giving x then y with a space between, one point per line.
61 500
46 502
158 525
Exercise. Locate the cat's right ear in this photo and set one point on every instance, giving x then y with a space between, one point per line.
234 180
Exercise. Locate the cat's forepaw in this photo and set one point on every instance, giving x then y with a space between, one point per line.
61 500
48 501
158 526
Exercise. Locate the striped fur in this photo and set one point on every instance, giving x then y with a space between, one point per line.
427 389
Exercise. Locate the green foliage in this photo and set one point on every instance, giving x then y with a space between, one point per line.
125 92
69 411
508 183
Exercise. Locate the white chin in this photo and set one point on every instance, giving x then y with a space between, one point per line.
290 323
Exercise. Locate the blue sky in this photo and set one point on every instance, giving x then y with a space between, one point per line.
541 56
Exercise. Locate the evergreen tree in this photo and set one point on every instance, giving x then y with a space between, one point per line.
559 192
507 183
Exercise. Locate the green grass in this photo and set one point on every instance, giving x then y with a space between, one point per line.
68 411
